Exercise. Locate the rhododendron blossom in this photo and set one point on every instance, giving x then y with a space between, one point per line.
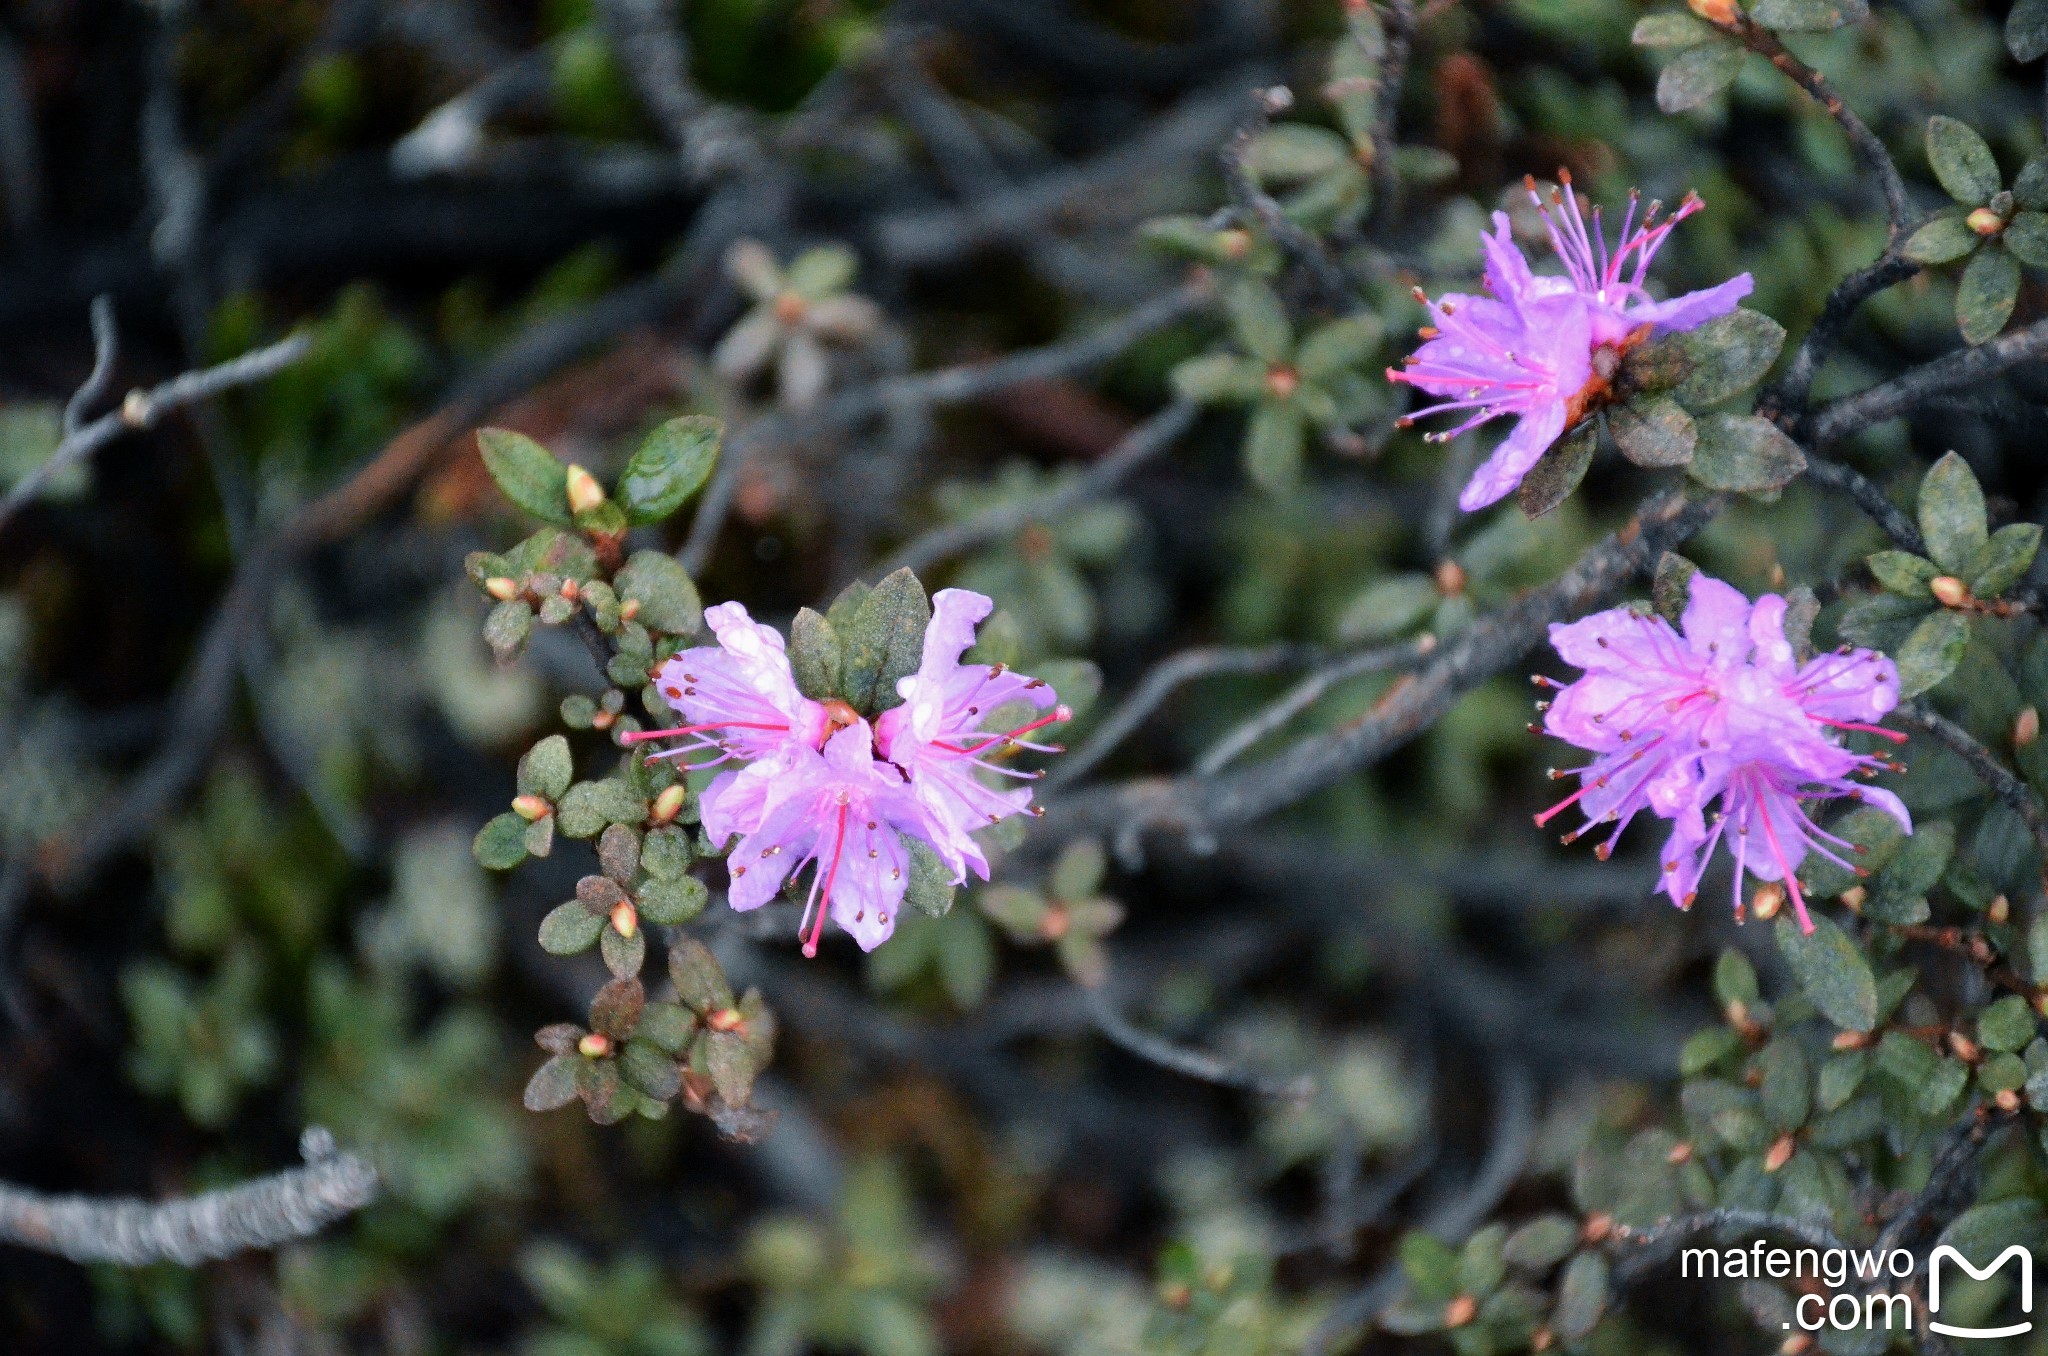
1544 348
1718 715
820 786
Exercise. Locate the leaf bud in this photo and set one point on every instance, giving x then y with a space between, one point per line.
1282 381
1780 1154
1985 222
1853 898
668 804
594 1045
725 1019
1722 12
1450 578
583 490
2000 909
1768 899
2026 728
1962 1047
1948 590
2008 1101
625 918
1460 1311
530 808
501 588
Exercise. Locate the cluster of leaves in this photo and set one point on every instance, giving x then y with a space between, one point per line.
636 1056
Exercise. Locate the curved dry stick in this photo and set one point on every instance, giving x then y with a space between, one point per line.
281 1208
2003 783
1195 1064
1838 419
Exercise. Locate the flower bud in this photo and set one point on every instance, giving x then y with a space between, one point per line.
1234 243
571 590
669 803
603 720
2026 728
1681 1152
1780 1154
1798 1344
1850 1040
725 1019
2041 1003
583 490
136 411
1597 1226
2000 910
1949 590
2008 1100
501 588
790 308
1541 1339
1853 897
629 609
1450 578
596 1045
1768 899
1460 1311
1985 222
1723 12
1054 925
1962 1047
530 808
625 918
1282 380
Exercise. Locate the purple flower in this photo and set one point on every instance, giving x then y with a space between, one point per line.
1718 711
1541 348
940 736
821 787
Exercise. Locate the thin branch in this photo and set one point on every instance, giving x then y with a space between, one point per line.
1160 682
106 348
1189 1063
946 386
2016 794
1307 693
142 409
1261 207
1870 497
1139 446
1838 419
1654 1245
132 1233
1789 396
1197 805
1948 1181
1400 26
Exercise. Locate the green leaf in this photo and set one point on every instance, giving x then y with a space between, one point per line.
1294 151
1671 586
814 656
1337 347
1744 453
882 642
1883 621
1388 608
1809 16
1581 1297
1952 513
500 845
2007 1024
1219 379
1699 73
1983 1231
1705 1048
699 978
1258 320
1943 1086
1985 296
570 929
2030 189
2026 30
1541 1243
650 1070
623 956
527 473
1077 874
1735 979
2003 560
1962 161
930 889
731 1066
1558 472
506 628
665 853
1785 1088
1273 440
1903 573
553 1084
1946 238
1840 1076
1728 355
665 592
1430 1265
822 271
1653 432
1832 971
2026 235
587 807
546 769
1670 30
670 466
672 903
1481 1266
1932 651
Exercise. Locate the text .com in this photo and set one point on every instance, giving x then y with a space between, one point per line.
1854 1274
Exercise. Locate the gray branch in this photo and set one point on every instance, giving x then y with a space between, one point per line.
289 1205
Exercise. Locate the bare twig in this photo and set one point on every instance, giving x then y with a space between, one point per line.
946 386
1838 419
1161 682
1139 446
1262 208
1647 1249
1869 497
1189 1063
142 409
1198 806
1307 693
262 1214
106 347
2016 794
